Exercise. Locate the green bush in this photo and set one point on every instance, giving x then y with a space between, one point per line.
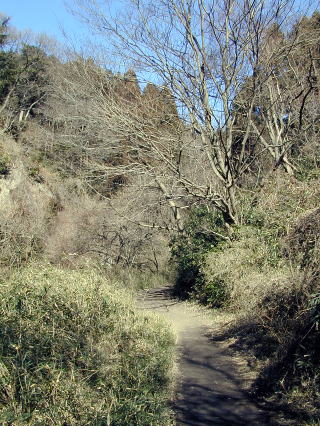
74 351
4 165
214 292
34 174
204 232
308 351
308 168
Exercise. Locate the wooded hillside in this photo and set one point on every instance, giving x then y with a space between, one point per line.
199 164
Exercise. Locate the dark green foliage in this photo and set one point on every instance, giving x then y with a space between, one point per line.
9 70
4 165
31 88
3 30
204 232
212 293
23 84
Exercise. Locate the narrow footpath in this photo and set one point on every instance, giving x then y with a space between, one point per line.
209 390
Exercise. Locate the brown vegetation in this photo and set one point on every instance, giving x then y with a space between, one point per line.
218 162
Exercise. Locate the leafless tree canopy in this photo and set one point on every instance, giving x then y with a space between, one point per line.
205 52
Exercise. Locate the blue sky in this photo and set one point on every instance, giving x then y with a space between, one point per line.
41 16
49 16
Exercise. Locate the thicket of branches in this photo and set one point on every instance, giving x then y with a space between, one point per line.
235 71
233 95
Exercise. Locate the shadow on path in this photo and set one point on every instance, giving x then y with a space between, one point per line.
208 389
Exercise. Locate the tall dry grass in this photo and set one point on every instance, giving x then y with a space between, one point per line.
270 270
73 350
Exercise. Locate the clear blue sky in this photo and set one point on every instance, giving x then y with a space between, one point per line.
41 16
50 16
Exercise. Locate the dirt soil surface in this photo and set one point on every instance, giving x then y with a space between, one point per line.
210 384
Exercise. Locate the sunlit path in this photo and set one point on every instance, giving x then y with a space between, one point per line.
208 389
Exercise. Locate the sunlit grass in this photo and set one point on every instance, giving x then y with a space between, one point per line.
73 350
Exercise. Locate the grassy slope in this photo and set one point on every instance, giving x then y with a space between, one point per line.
73 350
271 273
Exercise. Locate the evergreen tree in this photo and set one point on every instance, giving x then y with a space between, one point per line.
3 30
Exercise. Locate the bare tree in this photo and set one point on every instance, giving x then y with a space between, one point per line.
112 133
203 51
282 101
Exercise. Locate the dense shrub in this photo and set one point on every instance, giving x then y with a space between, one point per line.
204 232
275 295
74 351
303 242
291 319
245 268
4 165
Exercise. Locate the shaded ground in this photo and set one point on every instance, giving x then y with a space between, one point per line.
209 389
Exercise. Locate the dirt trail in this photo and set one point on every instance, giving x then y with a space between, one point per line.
209 389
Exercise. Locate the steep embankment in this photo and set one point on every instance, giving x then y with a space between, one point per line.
209 386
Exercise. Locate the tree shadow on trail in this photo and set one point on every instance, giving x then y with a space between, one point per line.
217 399
210 389
157 298
254 343
213 410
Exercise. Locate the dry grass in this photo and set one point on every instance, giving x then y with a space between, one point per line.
244 269
74 351
23 217
271 273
